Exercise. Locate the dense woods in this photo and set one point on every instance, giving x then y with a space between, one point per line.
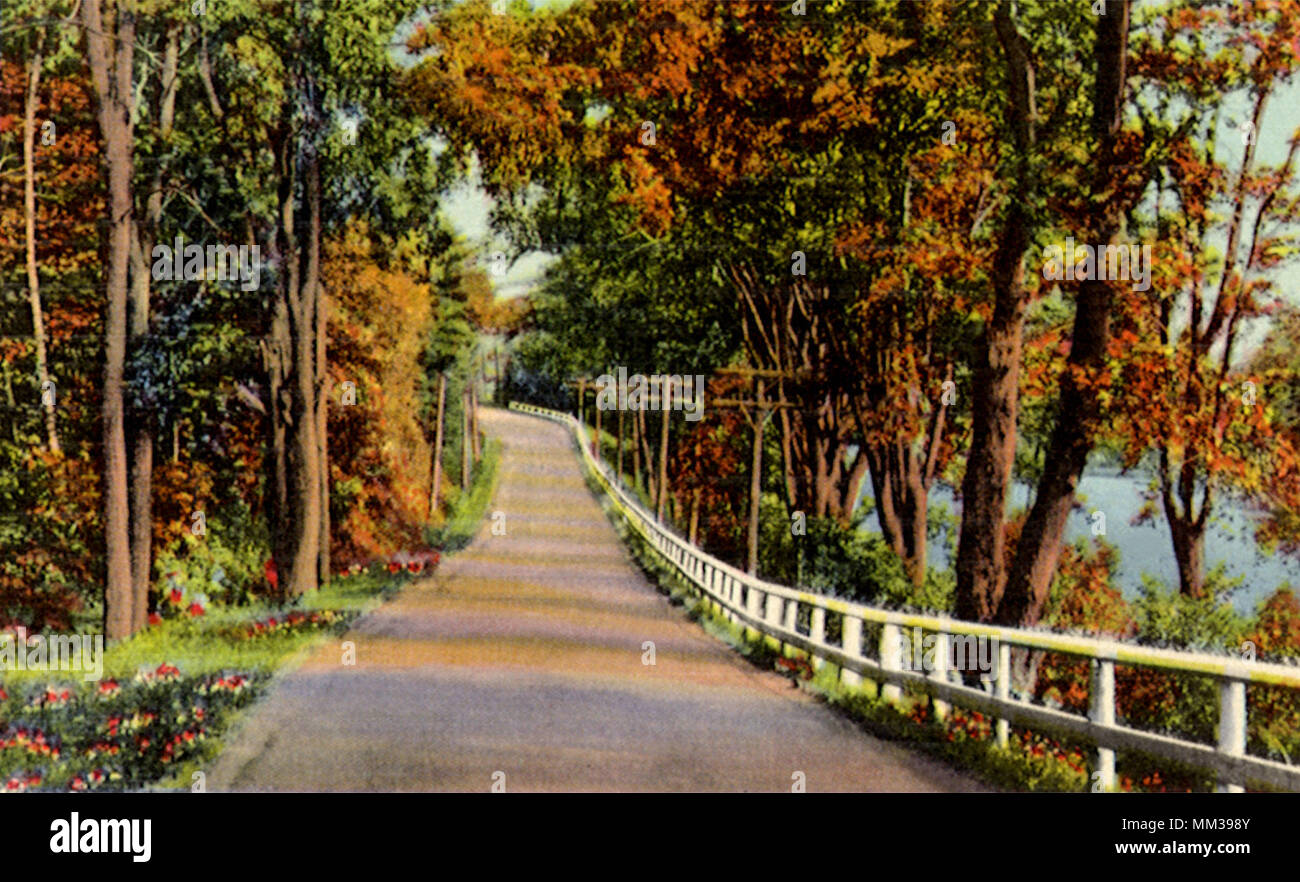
272 412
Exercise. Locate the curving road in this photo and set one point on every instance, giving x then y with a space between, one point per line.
523 654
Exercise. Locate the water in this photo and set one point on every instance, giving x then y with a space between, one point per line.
1147 549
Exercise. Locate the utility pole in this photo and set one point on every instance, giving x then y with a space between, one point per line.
756 413
435 489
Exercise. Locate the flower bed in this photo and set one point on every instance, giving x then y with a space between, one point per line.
114 735
289 623
411 563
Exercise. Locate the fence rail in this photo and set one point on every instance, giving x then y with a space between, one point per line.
774 611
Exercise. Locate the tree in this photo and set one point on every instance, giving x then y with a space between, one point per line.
1223 228
110 52
1039 547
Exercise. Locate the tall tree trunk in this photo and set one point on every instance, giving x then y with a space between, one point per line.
694 532
618 455
647 455
435 486
291 352
144 420
322 433
636 450
981 565
1039 548
662 495
465 452
475 438
34 66
110 51
755 492
304 448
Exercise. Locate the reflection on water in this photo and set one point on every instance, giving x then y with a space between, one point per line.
1147 548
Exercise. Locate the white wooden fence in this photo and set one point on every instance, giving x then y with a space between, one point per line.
774 610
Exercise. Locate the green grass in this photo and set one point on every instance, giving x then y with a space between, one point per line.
468 509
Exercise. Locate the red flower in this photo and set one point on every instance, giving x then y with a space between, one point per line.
272 576
414 566
176 595
394 567
155 619
196 610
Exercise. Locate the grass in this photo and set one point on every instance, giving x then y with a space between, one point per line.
468 509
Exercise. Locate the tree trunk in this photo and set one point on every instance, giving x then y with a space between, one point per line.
618 455
1039 548
291 351
662 495
110 50
304 448
464 439
647 453
694 532
636 450
981 564
1189 553
755 493
322 433
475 439
34 66
435 486
144 420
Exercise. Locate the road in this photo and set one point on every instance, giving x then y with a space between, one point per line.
520 662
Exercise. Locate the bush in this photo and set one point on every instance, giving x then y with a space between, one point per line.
227 563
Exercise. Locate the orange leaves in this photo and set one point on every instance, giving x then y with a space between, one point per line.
503 85
380 460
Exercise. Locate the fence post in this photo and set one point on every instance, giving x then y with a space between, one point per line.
773 613
942 658
851 645
1004 690
1102 712
891 659
753 604
1232 724
817 633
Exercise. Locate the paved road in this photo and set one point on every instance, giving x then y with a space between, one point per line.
523 655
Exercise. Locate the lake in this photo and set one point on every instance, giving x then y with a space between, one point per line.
1147 548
